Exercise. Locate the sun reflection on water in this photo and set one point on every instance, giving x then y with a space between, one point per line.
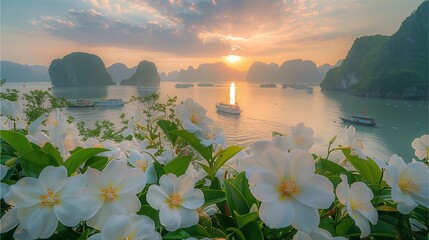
232 93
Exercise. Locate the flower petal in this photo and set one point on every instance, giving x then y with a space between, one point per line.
184 184
69 211
9 220
53 178
39 222
156 196
343 189
306 218
133 182
169 217
187 217
317 192
125 205
143 226
168 182
25 192
193 199
277 214
116 227
362 223
263 185
98 220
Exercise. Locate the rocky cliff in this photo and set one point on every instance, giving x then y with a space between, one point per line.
262 72
120 71
146 75
15 72
383 66
299 71
210 73
79 69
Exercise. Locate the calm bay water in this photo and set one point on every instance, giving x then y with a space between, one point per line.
274 109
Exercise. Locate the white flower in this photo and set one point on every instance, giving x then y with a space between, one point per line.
9 108
421 145
4 188
9 221
35 133
137 121
114 153
409 183
353 142
144 161
300 137
209 137
357 199
132 226
177 201
318 234
41 202
289 191
55 119
192 115
66 137
112 191
166 156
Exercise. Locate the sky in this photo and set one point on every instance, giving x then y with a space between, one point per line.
175 34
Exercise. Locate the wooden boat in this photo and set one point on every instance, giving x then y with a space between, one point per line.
361 120
228 108
184 85
81 103
205 85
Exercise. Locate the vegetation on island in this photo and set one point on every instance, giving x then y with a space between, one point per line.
383 66
166 173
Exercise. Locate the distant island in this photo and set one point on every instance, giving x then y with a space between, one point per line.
120 71
383 66
209 73
15 72
146 75
79 69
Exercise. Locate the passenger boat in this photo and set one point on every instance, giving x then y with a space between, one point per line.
309 90
268 85
109 102
361 120
184 85
148 88
228 108
81 103
205 85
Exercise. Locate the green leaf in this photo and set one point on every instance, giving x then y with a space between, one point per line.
208 170
53 152
344 226
244 219
383 229
213 196
159 169
235 199
225 155
178 165
332 167
167 127
84 235
178 234
33 162
242 184
80 157
18 141
367 168
151 213
224 221
97 162
197 231
236 232
252 231
194 142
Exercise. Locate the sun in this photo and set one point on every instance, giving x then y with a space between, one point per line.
233 58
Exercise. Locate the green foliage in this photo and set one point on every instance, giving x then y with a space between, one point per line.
17 141
178 165
40 102
80 157
10 94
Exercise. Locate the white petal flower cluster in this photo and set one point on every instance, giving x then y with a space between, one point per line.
289 190
409 183
353 142
144 161
318 234
4 188
300 137
112 191
194 120
357 200
421 146
177 201
40 203
132 226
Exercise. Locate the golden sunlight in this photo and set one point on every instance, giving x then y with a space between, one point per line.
233 58
232 93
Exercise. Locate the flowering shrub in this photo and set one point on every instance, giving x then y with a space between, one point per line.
171 176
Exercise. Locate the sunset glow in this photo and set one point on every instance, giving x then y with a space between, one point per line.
232 93
233 58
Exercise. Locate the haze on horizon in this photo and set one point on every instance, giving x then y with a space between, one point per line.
177 33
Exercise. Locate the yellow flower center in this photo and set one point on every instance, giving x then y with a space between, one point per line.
409 185
48 200
175 200
141 164
356 204
195 118
300 141
109 193
288 188
69 144
98 145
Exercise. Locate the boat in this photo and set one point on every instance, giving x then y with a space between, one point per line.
205 85
148 88
268 85
109 102
228 108
184 85
361 120
81 103
285 85
309 90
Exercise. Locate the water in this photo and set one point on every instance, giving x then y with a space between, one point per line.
275 109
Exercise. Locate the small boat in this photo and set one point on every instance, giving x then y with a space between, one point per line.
148 88
228 108
309 90
361 120
109 102
268 85
205 85
81 103
184 85
285 85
